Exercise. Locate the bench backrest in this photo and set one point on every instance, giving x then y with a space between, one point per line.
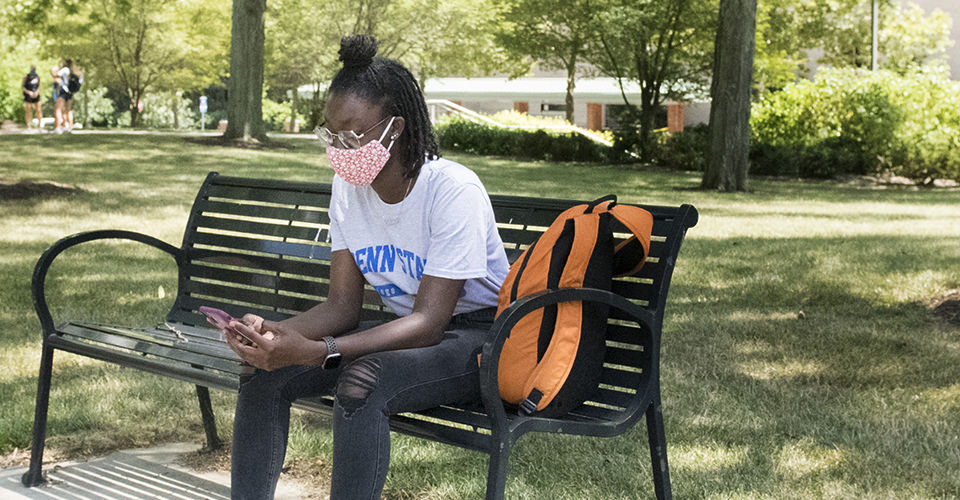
254 245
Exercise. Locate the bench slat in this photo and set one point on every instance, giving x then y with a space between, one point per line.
623 357
632 335
288 213
407 424
151 342
267 194
283 283
206 378
277 229
248 296
317 267
519 236
319 251
595 413
620 378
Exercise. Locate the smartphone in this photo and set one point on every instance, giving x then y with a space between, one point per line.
220 319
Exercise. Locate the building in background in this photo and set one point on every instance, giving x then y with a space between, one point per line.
597 101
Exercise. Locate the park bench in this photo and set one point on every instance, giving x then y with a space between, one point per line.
256 245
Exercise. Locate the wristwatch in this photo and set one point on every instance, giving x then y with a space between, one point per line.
333 354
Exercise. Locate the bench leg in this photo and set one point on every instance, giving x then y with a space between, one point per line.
658 450
209 423
497 470
34 476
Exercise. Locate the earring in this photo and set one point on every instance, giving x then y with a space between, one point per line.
394 137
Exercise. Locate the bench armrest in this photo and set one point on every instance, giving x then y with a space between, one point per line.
43 264
490 359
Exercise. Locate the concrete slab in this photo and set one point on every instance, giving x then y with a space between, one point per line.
133 474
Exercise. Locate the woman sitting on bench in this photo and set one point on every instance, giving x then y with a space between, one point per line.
419 229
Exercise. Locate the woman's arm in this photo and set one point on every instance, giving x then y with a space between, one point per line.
436 300
432 310
341 311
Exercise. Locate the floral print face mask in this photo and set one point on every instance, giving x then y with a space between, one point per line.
362 165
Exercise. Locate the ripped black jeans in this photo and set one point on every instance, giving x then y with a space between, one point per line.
367 391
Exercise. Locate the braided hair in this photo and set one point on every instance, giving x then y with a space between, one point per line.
389 84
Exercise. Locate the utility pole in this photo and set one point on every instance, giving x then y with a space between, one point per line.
874 18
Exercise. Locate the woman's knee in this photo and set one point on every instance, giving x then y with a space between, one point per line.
357 383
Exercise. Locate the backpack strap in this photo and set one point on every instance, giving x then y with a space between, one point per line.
630 255
612 198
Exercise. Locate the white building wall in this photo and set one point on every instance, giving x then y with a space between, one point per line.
696 113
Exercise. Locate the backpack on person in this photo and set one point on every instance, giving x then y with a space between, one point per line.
73 83
552 359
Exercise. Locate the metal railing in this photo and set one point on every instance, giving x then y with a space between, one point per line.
437 105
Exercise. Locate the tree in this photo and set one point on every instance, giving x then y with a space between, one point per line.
842 29
245 87
303 38
461 40
909 39
556 34
133 46
778 57
151 45
664 45
729 146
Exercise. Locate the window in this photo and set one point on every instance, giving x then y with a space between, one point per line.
552 108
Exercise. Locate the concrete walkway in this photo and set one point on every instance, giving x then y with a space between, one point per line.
134 474
10 128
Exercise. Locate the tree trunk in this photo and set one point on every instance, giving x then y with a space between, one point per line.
649 102
571 85
135 114
245 88
293 109
175 101
728 155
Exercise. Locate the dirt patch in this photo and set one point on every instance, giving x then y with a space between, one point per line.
220 141
204 460
947 307
16 458
28 189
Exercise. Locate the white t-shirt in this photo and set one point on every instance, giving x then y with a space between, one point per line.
445 228
64 75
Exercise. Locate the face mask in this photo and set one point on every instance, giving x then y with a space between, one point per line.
362 165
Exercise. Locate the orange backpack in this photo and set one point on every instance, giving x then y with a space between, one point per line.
552 359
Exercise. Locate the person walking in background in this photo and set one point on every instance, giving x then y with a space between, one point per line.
57 102
70 80
31 97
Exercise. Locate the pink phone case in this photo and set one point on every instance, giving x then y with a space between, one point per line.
220 319
217 317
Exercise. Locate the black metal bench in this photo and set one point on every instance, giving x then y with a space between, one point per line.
255 245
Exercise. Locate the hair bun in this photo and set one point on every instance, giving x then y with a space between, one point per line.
358 51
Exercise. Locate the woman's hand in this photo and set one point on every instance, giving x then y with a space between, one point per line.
273 345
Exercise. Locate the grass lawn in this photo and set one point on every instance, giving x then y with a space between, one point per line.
801 354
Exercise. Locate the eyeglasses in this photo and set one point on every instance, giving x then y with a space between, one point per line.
348 138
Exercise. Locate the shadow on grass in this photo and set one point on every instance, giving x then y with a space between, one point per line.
97 408
860 396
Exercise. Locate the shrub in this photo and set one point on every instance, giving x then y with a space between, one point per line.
99 107
274 115
158 112
856 122
685 150
928 145
463 135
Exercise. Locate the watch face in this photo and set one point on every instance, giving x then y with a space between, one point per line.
331 361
